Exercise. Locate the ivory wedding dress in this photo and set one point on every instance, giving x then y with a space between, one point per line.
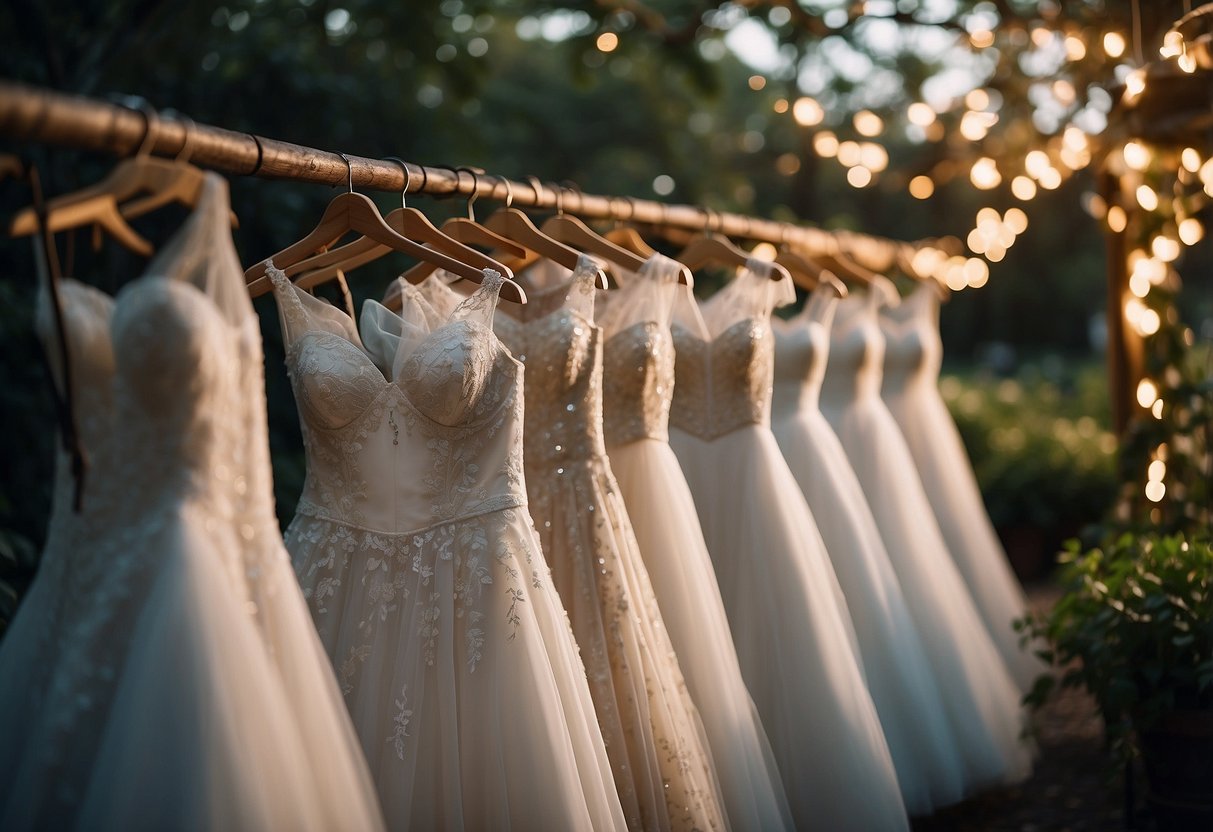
911 391
659 754
981 699
162 693
907 697
789 620
638 387
423 573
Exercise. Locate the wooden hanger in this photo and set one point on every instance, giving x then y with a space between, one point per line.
569 229
517 226
352 211
409 222
711 248
628 237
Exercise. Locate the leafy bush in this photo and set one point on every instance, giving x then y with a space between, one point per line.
1134 628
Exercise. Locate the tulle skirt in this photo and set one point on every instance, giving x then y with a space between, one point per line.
166 711
658 749
460 672
671 542
982 700
792 632
947 473
908 699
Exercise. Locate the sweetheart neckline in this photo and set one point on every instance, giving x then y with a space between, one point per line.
711 342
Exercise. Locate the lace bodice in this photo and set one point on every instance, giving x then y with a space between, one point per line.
726 354
914 351
416 422
802 346
857 350
638 361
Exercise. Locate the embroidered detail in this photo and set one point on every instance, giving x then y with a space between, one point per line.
404 715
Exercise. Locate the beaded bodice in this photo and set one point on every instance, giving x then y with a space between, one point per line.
723 374
802 347
561 349
416 422
914 351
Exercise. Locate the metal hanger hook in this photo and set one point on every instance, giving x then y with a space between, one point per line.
349 166
537 187
149 133
187 144
475 190
509 191
408 178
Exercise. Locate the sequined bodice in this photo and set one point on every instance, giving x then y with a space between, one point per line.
914 351
562 353
724 383
856 352
438 441
638 385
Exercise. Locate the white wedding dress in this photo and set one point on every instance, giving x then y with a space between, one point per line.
424 575
981 699
638 387
159 690
788 618
911 390
658 750
908 698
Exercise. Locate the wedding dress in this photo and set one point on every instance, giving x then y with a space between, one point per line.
789 620
161 698
423 573
981 699
659 754
911 391
638 387
907 697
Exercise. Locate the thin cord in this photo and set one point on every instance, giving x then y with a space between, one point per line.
1137 48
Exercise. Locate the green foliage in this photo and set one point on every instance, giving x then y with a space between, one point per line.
1135 629
1039 444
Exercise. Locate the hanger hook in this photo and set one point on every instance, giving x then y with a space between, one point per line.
149 132
187 144
537 187
509 191
475 189
408 178
349 166
558 190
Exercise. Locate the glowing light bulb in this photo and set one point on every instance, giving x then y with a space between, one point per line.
1114 44
977 99
1147 393
1146 198
1050 179
976 241
921 187
1191 231
1117 219
826 144
867 123
1156 409
1076 50
607 42
1135 85
1190 158
920 114
982 39
1136 155
1187 62
849 153
1023 188
1036 162
873 156
859 177
1172 45
984 174
976 273
1155 491
1016 220
807 112
1165 248
1139 284
1148 322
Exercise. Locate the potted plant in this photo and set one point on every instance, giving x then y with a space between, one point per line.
1135 629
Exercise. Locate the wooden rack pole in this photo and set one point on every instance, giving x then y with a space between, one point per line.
44 116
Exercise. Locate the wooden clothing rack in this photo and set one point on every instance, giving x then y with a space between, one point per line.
44 116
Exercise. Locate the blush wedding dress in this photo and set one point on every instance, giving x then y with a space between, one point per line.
163 672
638 388
980 697
789 621
911 391
423 572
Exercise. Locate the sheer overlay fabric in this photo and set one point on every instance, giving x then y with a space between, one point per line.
907 697
638 382
981 699
789 621
658 752
166 700
911 391
423 573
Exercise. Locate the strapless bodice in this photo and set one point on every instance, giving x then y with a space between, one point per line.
638 385
724 383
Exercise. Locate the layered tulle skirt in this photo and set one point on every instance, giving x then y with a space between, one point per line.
662 512
460 672
792 632
908 699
